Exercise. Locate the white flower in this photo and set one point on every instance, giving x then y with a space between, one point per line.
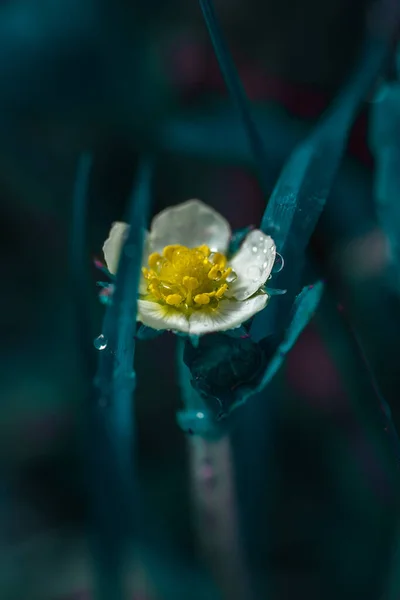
187 283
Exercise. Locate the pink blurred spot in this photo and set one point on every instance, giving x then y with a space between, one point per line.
107 292
234 186
186 62
44 428
193 67
312 373
206 473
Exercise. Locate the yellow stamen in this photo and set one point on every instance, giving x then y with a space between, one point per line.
186 278
215 273
173 299
153 289
226 273
202 299
190 283
169 251
219 259
221 291
153 260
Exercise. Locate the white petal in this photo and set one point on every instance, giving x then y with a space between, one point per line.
229 315
252 264
160 317
112 249
190 224
113 245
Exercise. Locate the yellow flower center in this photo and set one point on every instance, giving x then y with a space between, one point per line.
187 278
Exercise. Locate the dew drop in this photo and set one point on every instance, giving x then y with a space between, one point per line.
100 343
278 264
254 273
231 277
254 249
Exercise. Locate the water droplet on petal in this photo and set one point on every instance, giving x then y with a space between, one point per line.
231 277
254 272
254 249
100 343
278 264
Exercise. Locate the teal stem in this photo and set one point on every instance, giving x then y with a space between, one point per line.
195 418
305 183
384 132
237 93
385 412
109 432
213 487
303 188
113 412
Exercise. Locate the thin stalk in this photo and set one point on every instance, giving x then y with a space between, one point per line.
360 382
237 92
385 411
304 185
112 412
352 359
109 431
79 266
214 498
302 190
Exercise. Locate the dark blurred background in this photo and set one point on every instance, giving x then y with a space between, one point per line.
315 474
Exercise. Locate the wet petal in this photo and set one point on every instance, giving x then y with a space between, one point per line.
252 265
113 245
228 315
190 224
160 317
